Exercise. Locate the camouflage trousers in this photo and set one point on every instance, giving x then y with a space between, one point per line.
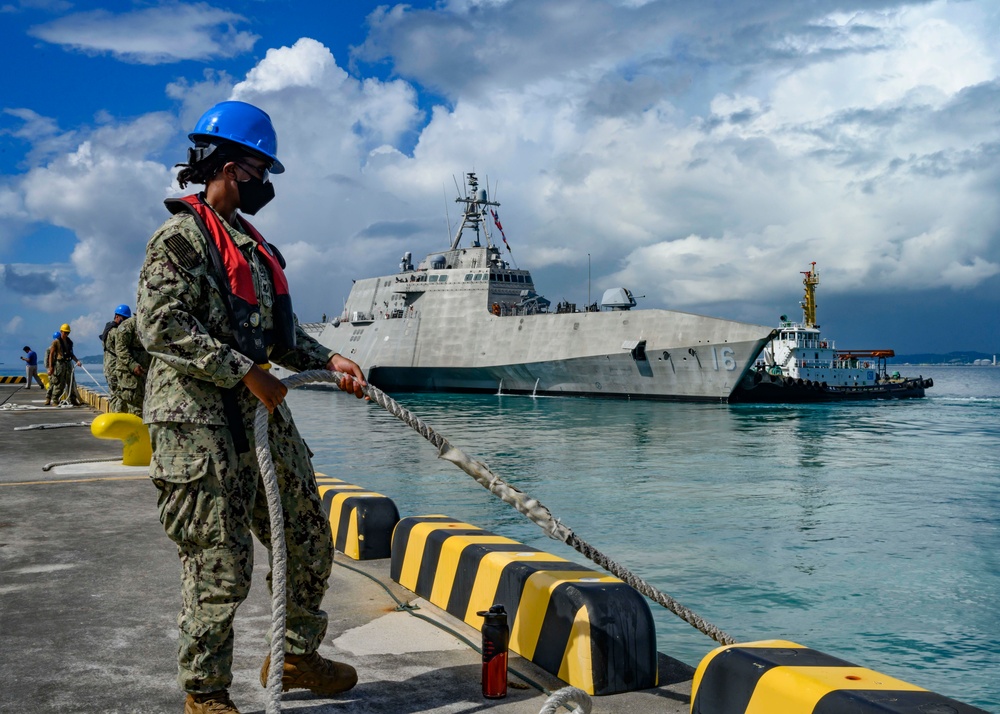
61 383
127 401
211 500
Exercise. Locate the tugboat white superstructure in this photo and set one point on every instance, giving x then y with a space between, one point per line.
800 365
464 320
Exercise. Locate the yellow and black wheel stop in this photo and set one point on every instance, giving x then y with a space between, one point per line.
588 628
361 520
781 677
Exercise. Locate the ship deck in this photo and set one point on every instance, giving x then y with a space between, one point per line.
90 590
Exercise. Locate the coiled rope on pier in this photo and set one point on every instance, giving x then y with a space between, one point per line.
564 697
525 504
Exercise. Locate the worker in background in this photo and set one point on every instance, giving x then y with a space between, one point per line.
31 367
108 340
50 369
62 359
131 361
213 310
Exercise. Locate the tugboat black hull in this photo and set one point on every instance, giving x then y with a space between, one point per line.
770 389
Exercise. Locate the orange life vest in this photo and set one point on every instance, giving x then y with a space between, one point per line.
229 263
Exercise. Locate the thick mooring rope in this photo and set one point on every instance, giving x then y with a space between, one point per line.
279 560
530 507
564 697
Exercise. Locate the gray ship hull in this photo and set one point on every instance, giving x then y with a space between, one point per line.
640 354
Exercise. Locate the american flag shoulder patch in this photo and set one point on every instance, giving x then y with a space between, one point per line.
183 252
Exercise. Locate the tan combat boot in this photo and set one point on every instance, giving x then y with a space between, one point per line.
210 703
313 672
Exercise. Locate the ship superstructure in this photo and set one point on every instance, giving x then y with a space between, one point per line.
464 319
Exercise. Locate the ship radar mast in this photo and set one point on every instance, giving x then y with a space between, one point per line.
809 301
476 202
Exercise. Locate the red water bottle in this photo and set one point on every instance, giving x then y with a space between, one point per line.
496 637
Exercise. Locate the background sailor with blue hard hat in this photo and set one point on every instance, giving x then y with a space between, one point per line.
130 363
107 339
50 368
213 310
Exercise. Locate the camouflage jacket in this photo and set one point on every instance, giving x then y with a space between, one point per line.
183 323
108 339
128 355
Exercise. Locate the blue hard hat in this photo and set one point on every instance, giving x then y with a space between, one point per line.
123 310
242 124
55 335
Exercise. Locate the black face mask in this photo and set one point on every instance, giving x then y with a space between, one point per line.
254 195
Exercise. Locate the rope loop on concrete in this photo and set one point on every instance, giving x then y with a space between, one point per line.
566 696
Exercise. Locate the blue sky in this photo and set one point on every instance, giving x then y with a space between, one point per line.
700 154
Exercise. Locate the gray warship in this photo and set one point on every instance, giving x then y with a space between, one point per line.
464 320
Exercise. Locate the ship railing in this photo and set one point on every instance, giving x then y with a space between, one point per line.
504 310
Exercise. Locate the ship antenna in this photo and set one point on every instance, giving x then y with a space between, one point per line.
447 218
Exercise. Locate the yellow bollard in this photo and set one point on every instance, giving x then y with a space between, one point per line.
136 448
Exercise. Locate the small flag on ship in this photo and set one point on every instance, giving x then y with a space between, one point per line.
496 220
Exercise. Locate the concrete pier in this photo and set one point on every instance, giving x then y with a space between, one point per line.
90 590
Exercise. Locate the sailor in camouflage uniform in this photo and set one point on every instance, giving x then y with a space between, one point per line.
131 362
50 369
212 310
108 340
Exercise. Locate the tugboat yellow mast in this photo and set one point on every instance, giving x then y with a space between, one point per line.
809 302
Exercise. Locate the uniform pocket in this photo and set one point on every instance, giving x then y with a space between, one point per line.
179 468
190 499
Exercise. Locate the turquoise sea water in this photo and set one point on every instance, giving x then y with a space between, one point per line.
869 531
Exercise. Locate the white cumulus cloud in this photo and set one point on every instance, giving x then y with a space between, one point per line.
152 35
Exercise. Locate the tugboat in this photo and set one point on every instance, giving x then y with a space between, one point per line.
800 365
465 320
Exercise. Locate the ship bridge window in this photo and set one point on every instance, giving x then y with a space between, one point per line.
477 276
468 277
444 279
432 278
506 277
520 278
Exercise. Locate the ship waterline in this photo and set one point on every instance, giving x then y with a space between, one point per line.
573 354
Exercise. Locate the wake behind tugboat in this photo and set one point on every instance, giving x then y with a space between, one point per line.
800 365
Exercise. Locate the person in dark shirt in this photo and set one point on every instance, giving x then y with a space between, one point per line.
31 367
